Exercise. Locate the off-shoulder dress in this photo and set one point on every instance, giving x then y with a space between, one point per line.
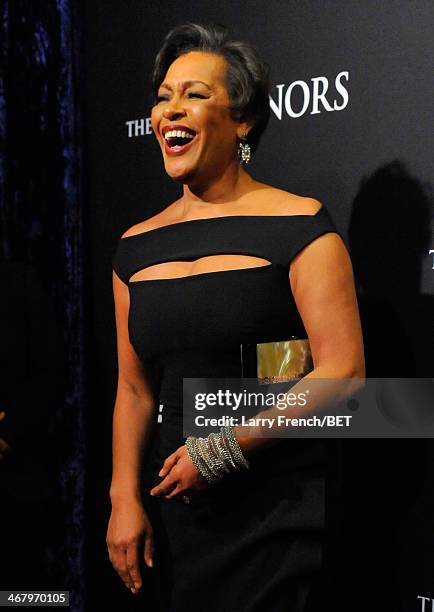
254 541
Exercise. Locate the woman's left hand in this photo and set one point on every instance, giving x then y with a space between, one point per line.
181 477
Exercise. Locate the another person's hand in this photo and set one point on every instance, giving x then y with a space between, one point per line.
4 446
181 477
129 532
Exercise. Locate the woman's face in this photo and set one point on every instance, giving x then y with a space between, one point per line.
191 118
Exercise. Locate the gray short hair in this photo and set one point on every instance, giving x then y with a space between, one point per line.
247 77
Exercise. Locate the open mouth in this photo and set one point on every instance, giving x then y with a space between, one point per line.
178 140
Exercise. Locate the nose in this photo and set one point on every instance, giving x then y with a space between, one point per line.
173 109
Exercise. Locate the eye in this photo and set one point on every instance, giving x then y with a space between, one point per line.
160 98
194 94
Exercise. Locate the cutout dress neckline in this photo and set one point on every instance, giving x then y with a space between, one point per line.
206 219
192 326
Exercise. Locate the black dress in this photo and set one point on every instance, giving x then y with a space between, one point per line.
252 542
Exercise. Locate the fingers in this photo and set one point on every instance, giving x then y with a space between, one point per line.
132 563
168 491
118 559
148 554
178 493
174 493
164 488
124 558
168 464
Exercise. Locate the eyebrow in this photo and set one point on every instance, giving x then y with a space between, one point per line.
185 84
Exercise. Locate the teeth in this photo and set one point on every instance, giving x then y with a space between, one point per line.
177 134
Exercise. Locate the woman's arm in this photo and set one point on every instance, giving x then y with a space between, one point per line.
134 405
321 279
322 283
132 426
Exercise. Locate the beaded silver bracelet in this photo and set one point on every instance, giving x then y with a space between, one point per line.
207 455
233 443
198 460
219 449
216 455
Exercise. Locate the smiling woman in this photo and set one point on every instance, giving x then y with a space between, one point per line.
190 117
229 76
232 522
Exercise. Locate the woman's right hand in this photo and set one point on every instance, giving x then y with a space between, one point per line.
128 530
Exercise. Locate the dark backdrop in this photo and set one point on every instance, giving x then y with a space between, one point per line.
42 303
365 151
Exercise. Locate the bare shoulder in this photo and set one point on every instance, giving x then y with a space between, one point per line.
164 217
140 228
293 204
280 202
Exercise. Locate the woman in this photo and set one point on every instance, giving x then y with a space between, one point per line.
232 261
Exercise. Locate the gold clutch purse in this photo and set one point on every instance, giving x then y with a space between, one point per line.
279 361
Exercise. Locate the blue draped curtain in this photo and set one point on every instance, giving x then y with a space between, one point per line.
41 233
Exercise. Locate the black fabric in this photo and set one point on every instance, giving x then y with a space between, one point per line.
193 326
275 237
254 541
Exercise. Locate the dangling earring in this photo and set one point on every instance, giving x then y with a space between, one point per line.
244 151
